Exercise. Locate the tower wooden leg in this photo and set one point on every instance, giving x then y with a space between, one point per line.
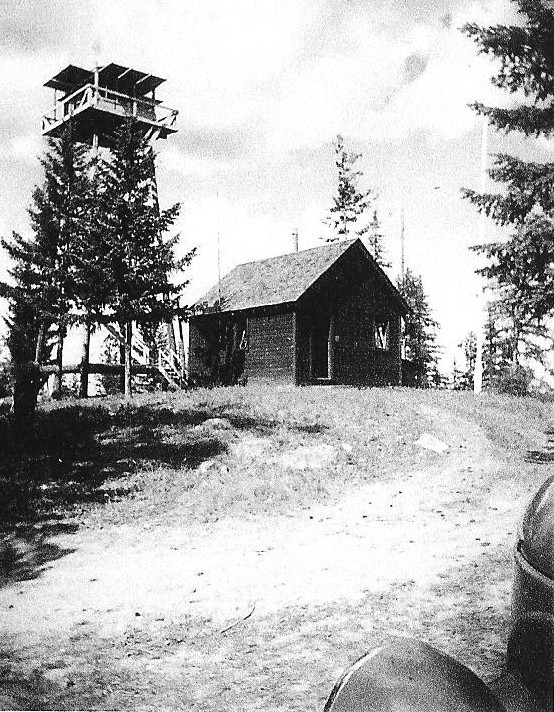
83 390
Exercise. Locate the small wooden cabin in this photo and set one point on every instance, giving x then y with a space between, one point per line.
325 315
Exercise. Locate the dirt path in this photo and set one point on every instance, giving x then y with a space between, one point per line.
136 617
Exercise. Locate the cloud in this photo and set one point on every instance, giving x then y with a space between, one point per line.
276 75
35 26
389 83
176 161
414 65
22 100
219 144
243 236
26 148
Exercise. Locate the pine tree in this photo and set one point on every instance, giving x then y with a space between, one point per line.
350 204
419 326
456 377
376 242
523 266
24 324
46 265
138 263
465 377
524 263
495 356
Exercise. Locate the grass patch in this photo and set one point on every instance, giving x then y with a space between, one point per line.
237 451
414 543
204 454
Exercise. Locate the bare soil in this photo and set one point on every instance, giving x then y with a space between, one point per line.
250 575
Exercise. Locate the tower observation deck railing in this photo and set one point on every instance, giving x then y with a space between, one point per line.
113 102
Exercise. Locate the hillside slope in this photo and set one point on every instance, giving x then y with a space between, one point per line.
237 548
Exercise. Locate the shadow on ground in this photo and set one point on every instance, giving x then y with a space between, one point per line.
73 453
26 551
87 453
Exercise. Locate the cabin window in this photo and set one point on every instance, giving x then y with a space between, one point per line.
382 329
242 343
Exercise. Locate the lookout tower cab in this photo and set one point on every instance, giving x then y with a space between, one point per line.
97 102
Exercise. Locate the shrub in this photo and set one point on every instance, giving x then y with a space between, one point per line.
5 380
515 381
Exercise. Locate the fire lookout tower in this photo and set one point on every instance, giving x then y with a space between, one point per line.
96 104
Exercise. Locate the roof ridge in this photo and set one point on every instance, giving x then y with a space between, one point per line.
295 252
280 279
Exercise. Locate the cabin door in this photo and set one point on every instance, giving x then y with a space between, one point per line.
321 350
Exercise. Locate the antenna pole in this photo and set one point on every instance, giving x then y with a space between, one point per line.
478 372
218 252
402 246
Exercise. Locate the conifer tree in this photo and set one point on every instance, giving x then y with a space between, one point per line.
495 356
517 336
508 339
138 263
46 264
469 346
376 242
524 263
347 216
419 326
523 266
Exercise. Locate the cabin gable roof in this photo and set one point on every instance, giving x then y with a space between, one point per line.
283 279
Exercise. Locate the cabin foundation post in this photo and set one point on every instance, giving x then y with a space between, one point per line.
398 347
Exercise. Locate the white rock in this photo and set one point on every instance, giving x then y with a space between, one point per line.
217 424
206 466
309 457
430 442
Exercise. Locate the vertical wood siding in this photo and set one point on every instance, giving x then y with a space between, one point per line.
271 347
354 296
359 362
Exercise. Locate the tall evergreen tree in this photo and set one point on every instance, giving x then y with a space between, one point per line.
495 355
46 264
347 216
517 336
524 263
376 239
138 261
508 339
420 329
465 377
523 266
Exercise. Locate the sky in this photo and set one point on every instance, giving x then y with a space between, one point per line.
262 88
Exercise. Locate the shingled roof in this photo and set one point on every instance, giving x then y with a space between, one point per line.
277 280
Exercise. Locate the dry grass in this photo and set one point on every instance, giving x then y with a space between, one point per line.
282 449
420 542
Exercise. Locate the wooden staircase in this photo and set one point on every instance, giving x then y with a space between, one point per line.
162 359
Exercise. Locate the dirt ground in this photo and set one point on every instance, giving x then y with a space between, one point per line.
265 611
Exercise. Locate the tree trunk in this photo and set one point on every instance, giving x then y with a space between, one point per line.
121 346
41 338
58 376
27 383
83 390
128 341
515 336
